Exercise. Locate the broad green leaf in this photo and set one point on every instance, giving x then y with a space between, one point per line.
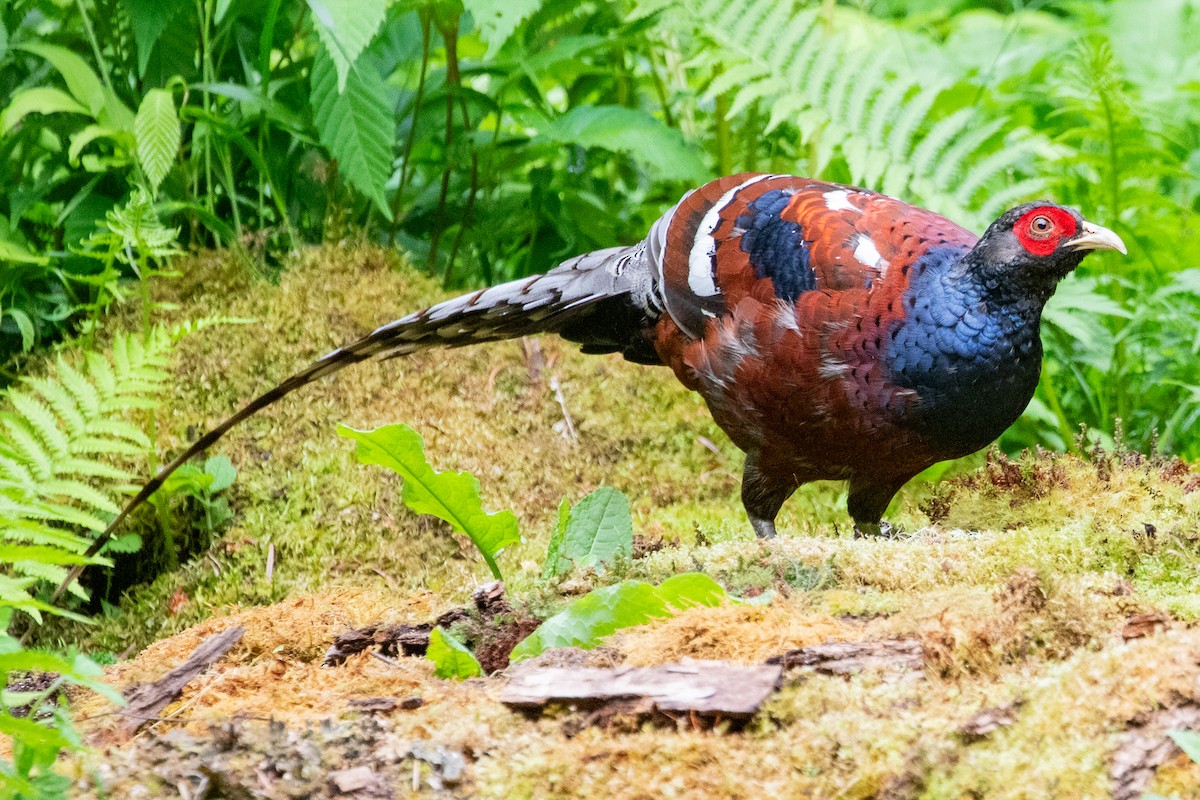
1189 743
30 732
156 129
356 125
15 251
346 27
42 100
588 620
631 131
691 589
451 496
450 657
25 326
554 564
599 613
497 19
598 530
222 471
148 19
82 81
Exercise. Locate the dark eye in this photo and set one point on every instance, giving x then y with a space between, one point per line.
1041 226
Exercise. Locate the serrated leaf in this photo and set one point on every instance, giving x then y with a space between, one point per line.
148 19
450 657
601 612
356 125
346 27
497 19
451 496
554 565
156 130
626 130
598 530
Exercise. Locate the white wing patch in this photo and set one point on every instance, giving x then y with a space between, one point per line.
868 254
700 274
839 200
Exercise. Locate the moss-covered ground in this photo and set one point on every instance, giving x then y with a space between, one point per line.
1019 578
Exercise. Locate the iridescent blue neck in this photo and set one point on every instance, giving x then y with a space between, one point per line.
968 346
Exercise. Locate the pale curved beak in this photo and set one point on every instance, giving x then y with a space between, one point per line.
1096 237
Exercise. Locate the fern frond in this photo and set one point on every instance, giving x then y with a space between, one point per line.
891 115
79 387
101 446
26 446
58 398
59 435
103 377
77 490
116 429
37 533
94 469
42 421
48 511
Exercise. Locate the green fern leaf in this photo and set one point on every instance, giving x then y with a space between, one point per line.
915 112
49 511
117 429
79 387
99 445
34 532
985 170
927 153
958 157
94 469
55 396
42 422
77 490
27 447
103 378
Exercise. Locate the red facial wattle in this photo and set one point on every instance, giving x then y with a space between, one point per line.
1044 242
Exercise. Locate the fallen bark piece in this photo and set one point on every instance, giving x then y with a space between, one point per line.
413 640
146 700
1146 747
1141 625
394 640
354 780
849 658
374 705
707 688
988 720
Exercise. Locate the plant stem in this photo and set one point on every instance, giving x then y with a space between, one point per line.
418 98
453 78
101 64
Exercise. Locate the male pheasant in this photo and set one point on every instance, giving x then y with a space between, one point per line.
835 333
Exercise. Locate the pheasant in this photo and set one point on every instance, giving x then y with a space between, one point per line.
835 333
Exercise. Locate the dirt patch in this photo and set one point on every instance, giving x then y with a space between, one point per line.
362 758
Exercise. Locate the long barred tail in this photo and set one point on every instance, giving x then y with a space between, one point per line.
600 300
